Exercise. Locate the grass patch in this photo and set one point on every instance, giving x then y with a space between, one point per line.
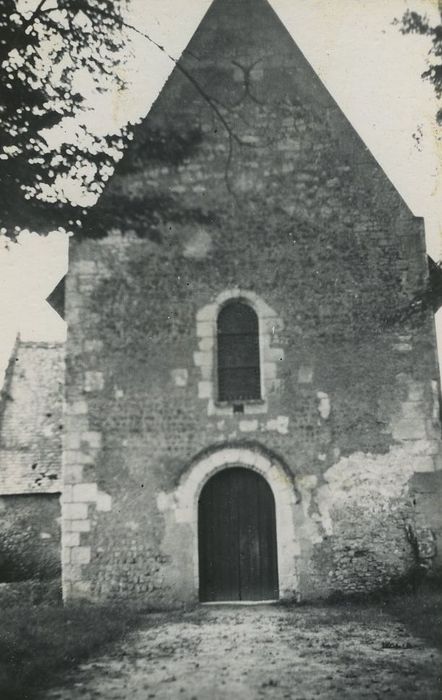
421 613
37 643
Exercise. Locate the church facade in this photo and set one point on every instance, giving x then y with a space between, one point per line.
247 400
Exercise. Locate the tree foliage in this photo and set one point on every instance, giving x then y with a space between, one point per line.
42 51
414 23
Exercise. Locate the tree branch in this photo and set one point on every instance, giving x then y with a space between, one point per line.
210 101
34 15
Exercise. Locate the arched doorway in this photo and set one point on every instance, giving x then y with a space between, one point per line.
237 538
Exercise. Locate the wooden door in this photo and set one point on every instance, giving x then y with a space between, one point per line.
237 538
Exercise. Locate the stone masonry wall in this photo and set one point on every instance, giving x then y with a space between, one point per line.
277 201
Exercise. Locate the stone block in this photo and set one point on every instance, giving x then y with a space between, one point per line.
73 457
409 429
84 267
423 464
77 526
184 515
416 391
179 376
71 539
324 406
248 426
72 572
426 447
73 474
258 407
67 493
76 458
86 283
204 390
206 344
72 441
305 374
76 408
279 424
74 316
75 511
84 492
217 459
104 502
93 381
74 424
260 462
234 454
206 372
403 347
438 461
273 354
270 370
93 345
202 358
273 386
204 329
92 438
272 326
65 555
80 555
81 588
307 481
413 409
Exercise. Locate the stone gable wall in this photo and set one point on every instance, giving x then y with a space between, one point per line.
286 207
31 420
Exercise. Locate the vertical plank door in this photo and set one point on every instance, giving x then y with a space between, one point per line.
237 538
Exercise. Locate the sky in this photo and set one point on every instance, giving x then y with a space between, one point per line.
371 69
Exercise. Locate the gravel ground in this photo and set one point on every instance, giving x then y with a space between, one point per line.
251 652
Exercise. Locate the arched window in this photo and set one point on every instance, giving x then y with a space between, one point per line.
238 353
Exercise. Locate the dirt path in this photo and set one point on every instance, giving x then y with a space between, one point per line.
247 653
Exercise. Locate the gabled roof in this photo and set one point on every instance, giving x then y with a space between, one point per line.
30 419
240 59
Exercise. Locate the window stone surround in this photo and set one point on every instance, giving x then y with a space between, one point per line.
205 357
